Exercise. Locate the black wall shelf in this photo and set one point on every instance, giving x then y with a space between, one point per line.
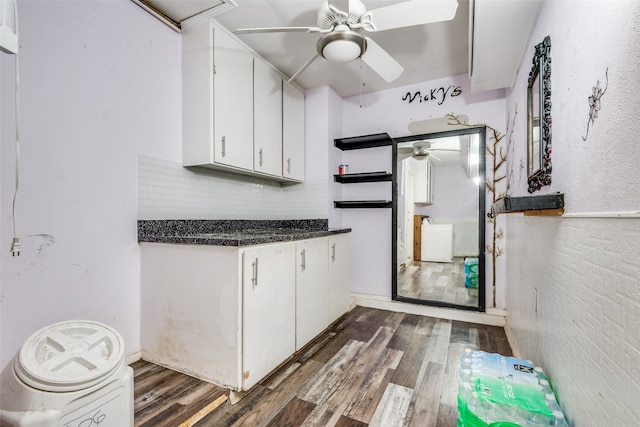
361 204
355 143
366 141
552 204
350 178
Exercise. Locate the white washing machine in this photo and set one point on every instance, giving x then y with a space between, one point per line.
437 242
69 374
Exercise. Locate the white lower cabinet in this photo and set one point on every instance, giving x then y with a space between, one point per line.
268 314
191 310
231 315
312 289
339 292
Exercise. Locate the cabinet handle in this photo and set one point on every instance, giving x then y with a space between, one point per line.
260 157
303 265
333 252
254 275
289 165
224 146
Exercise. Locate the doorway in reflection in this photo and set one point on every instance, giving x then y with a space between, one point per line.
439 210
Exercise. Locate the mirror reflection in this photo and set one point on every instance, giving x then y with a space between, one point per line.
534 126
440 218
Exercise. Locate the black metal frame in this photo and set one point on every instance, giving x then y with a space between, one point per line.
482 132
541 68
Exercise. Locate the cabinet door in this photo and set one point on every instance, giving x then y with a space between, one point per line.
292 132
429 174
423 181
339 275
267 119
312 300
233 102
268 309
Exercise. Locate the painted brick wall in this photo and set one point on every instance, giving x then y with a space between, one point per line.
583 274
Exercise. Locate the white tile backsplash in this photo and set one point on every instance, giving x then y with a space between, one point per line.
167 190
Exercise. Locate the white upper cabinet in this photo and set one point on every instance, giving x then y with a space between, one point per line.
423 181
217 92
267 119
292 133
233 100
235 115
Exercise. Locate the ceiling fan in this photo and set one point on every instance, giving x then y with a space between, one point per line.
341 41
420 150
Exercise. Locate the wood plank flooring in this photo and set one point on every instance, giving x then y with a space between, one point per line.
437 281
373 368
164 398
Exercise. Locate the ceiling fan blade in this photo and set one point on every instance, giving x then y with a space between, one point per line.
356 10
381 62
304 67
337 7
415 12
279 30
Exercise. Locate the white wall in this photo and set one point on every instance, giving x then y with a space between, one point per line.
101 134
455 202
573 300
99 85
386 111
455 195
323 120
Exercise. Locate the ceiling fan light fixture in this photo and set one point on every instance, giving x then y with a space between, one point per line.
342 46
419 156
420 150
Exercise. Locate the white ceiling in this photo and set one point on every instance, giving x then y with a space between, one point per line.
426 52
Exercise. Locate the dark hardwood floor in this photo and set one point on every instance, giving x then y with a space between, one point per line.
373 368
164 398
437 281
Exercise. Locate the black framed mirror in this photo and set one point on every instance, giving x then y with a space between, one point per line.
539 118
438 219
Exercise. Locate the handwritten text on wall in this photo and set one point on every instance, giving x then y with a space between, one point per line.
438 94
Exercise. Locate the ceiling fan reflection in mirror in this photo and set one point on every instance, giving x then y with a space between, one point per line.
341 40
420 150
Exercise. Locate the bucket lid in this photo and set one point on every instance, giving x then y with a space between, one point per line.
68 356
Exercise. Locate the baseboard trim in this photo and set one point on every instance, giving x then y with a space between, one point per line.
512 342
133 357
493 317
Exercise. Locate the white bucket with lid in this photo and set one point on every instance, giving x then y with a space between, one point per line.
67 374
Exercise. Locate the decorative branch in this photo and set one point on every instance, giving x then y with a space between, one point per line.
511 149
496 151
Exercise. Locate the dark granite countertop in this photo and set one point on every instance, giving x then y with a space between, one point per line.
233 232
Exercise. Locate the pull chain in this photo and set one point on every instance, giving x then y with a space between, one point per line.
362 80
